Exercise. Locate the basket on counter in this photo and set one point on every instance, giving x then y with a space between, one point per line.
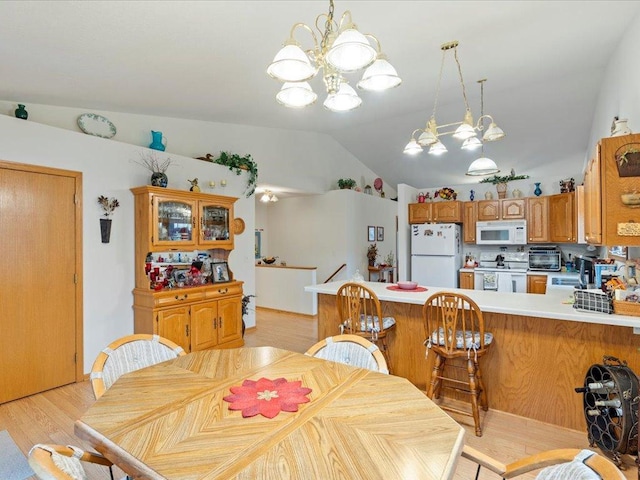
593 301
626 308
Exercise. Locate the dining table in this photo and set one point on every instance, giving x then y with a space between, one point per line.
268 413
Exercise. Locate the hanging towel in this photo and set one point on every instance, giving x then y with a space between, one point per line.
505 283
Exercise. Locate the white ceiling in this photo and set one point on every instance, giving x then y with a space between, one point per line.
206 60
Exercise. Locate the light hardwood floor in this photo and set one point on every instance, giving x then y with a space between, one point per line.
48 417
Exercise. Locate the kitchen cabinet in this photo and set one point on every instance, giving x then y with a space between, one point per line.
177 224
538 219
437 212
470 215
503 209
563 218
467 280
537 284
611 179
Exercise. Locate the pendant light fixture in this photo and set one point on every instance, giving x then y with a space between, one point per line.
465 130
268 196
341 49
483 165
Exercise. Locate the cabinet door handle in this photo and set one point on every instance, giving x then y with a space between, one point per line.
223 290
181 298
186 328
219 322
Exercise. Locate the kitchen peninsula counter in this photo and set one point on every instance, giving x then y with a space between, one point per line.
541 352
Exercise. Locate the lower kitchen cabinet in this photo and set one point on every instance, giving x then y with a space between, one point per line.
467 280
537 284
196 319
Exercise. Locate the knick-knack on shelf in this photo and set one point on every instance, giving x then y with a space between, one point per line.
472 195
538 191
21 112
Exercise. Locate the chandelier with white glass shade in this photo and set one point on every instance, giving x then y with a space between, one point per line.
341 49
268 196
466 130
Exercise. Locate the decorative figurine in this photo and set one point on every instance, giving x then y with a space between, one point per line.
194 185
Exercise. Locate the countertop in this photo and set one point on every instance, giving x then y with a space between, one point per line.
273 265
529 272
526 304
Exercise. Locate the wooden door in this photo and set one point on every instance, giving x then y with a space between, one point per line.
469 221
537 284
204 320
419 212
173 324
513 209
229 320
41 294
538 219
488 210
562 223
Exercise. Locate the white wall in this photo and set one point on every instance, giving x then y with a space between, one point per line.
109 168
328 230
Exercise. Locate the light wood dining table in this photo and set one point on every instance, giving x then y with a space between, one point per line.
169 421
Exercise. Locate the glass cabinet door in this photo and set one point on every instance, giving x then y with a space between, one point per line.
173 221
215 226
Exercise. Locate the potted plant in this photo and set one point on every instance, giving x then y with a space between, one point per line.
239 164
501 182
346 183
108 206
372 254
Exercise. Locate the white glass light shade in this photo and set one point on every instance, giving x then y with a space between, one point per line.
296 95
379 76
351 51
427 138
291 64
412 148
265 197
464 131
494 132
273 197
482 166
471 143
343 100
438 148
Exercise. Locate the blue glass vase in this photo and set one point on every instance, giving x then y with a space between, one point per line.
537 192
158 143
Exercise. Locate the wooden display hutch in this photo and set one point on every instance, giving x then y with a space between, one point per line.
189 226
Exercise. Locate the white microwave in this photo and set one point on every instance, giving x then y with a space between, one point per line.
501 232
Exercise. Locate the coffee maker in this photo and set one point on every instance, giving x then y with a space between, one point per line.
585 266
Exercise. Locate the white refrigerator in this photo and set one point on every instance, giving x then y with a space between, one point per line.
436 254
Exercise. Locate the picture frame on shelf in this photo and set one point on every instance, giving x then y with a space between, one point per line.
380 236
371 234
220 272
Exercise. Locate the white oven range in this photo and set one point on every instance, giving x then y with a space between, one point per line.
502 272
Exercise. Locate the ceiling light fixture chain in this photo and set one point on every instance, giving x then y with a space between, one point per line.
466 130
483 165
342 49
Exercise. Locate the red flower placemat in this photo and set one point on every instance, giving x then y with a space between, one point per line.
396 288
267 397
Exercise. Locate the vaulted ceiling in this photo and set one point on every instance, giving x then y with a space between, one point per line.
206 60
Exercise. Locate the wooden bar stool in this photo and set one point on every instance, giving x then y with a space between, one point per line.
360 314
454 328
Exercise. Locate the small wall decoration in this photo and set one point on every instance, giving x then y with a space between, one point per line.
371 234
220 272
108 206
258 239
380 234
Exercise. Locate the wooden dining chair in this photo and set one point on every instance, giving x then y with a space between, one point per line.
360 313
57 462
560 464
127 354
454 329
351 350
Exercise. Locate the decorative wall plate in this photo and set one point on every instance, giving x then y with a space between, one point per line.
97 125
238 226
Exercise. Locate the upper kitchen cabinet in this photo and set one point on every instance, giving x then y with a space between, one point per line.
538 219
503 209
470 214
449 211
179 219
563 218
612 192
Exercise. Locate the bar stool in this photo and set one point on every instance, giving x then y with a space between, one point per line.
454 328
360 313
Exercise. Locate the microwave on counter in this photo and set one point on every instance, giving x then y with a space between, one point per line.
545 259
501 232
